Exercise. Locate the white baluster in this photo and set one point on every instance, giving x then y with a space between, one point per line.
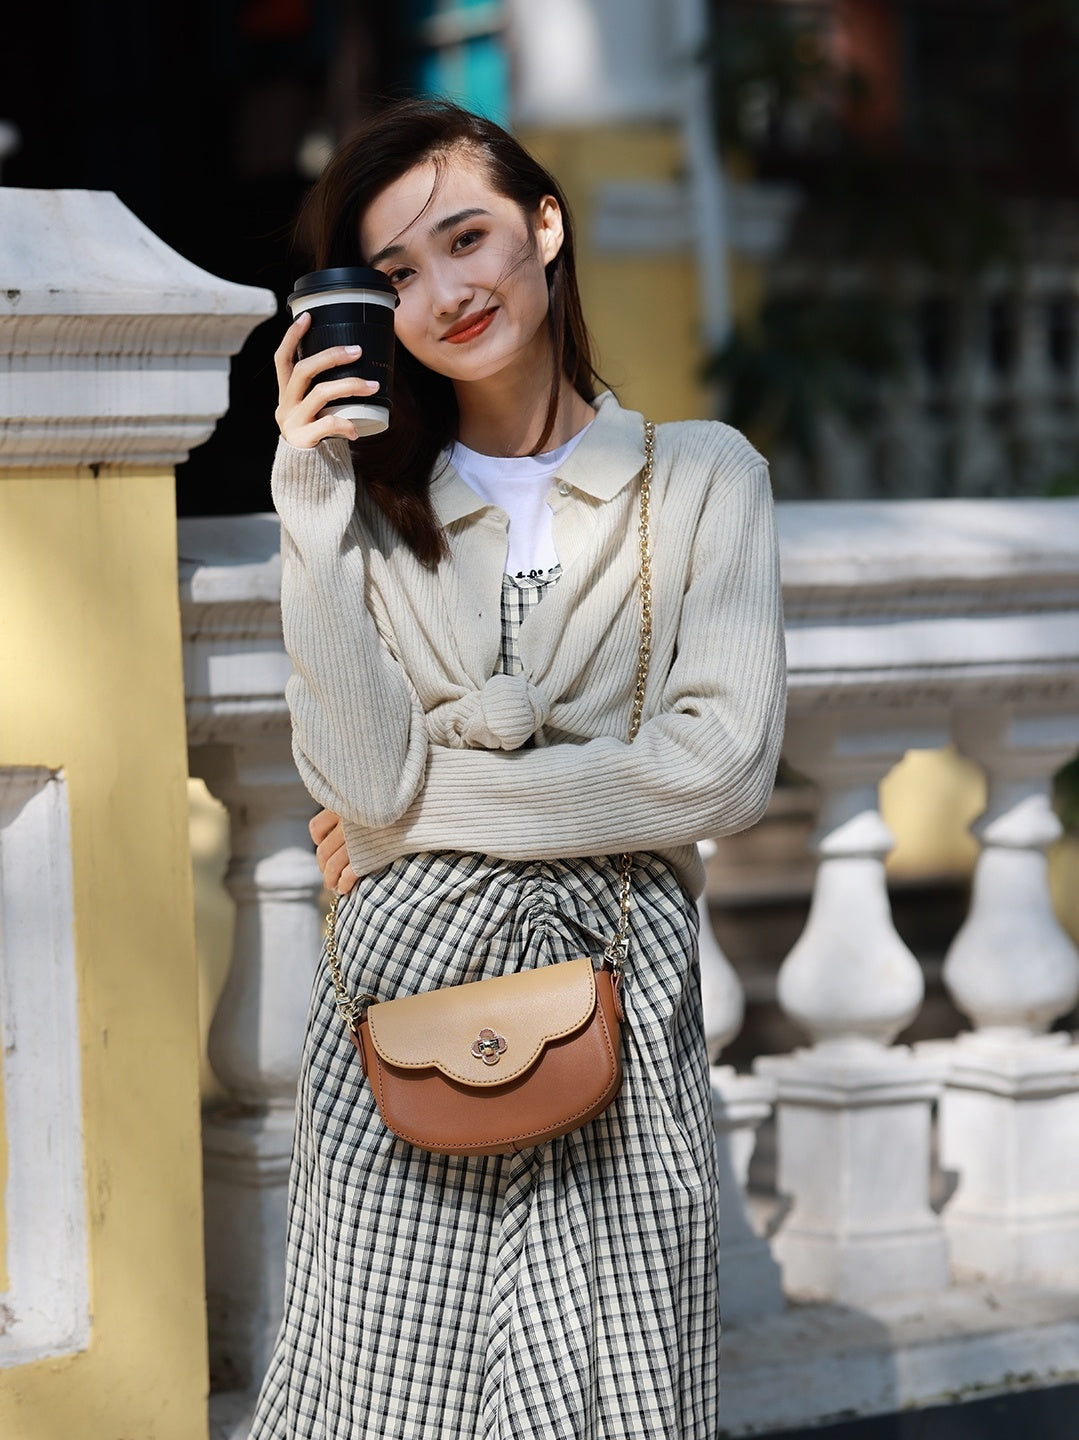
255 1043
749 1279
722 997
853 1114
1013 1089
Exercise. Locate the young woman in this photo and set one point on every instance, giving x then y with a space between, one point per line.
460 601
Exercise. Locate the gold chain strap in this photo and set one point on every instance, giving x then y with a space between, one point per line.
352 1009
617 951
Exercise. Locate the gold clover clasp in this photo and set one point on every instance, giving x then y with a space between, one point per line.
488 1047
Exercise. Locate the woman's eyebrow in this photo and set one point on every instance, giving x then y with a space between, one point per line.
438 228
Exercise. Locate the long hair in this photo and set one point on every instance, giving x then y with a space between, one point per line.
396 466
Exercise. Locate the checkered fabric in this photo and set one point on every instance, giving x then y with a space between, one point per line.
566 1293
520 594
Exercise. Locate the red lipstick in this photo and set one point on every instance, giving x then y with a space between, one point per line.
470 326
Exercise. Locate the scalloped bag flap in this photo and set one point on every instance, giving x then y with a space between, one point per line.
488 1032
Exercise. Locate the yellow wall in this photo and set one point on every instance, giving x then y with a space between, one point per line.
643 310
930 799
91 678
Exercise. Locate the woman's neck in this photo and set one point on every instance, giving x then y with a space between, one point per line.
505 414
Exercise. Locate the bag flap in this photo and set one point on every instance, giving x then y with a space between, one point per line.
490 1031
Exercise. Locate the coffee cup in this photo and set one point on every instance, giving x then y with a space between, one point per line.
351 305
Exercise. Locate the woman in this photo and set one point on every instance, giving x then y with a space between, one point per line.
469 746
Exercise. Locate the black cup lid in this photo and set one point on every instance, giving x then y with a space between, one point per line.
342 277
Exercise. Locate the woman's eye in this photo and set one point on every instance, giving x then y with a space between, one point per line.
466 239
398 277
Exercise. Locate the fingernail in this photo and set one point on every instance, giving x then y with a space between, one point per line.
352 349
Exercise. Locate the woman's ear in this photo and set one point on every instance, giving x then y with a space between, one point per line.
549 230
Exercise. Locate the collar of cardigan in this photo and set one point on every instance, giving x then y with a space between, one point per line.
610 455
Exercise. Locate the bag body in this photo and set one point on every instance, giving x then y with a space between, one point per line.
497 1065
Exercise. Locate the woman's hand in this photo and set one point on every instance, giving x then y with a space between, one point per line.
300 400
329 837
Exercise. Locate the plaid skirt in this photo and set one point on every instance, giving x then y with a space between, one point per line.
569 1292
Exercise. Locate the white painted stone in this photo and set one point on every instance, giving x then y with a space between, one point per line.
749 1278
934 602
849 973
235 669
1012 966
592 62
273 877
45 1310
723 999
254 1045
819 1363
1013 1091
1008 1119
853 1146
235 665
246 1165
113 348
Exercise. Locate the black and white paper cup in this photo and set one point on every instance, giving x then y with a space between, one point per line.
351 305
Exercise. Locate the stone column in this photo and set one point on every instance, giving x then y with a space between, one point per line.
853 1113
255 1043
239 738
1013 1088
749 1281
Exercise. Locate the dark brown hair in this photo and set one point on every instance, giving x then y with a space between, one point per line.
396 466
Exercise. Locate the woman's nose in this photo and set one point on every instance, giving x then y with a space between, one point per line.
450 292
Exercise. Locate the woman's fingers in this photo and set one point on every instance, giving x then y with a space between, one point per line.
328 834
284 358
302 396
333 868
322 824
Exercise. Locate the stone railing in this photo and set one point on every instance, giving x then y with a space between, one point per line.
909 624
986 401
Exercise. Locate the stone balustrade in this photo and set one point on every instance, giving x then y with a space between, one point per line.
985 401
910 624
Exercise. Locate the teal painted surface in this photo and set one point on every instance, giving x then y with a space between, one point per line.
474 71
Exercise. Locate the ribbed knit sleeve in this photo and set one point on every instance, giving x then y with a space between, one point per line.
703 763
358 732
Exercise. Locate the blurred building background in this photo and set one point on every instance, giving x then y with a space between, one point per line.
877 280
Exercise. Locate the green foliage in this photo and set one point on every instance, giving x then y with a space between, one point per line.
1065 482
870 209
805 359
771 73
1066 796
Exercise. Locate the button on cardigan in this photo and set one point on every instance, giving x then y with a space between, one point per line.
401 725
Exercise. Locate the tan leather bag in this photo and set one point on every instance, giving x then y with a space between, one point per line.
499 1065
496 1065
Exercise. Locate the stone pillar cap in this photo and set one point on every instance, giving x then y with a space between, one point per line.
113 347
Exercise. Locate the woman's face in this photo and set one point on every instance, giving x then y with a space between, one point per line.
468 267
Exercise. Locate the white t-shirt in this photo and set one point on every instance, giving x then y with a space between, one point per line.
518 484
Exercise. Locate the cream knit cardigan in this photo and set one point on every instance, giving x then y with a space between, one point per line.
401 727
